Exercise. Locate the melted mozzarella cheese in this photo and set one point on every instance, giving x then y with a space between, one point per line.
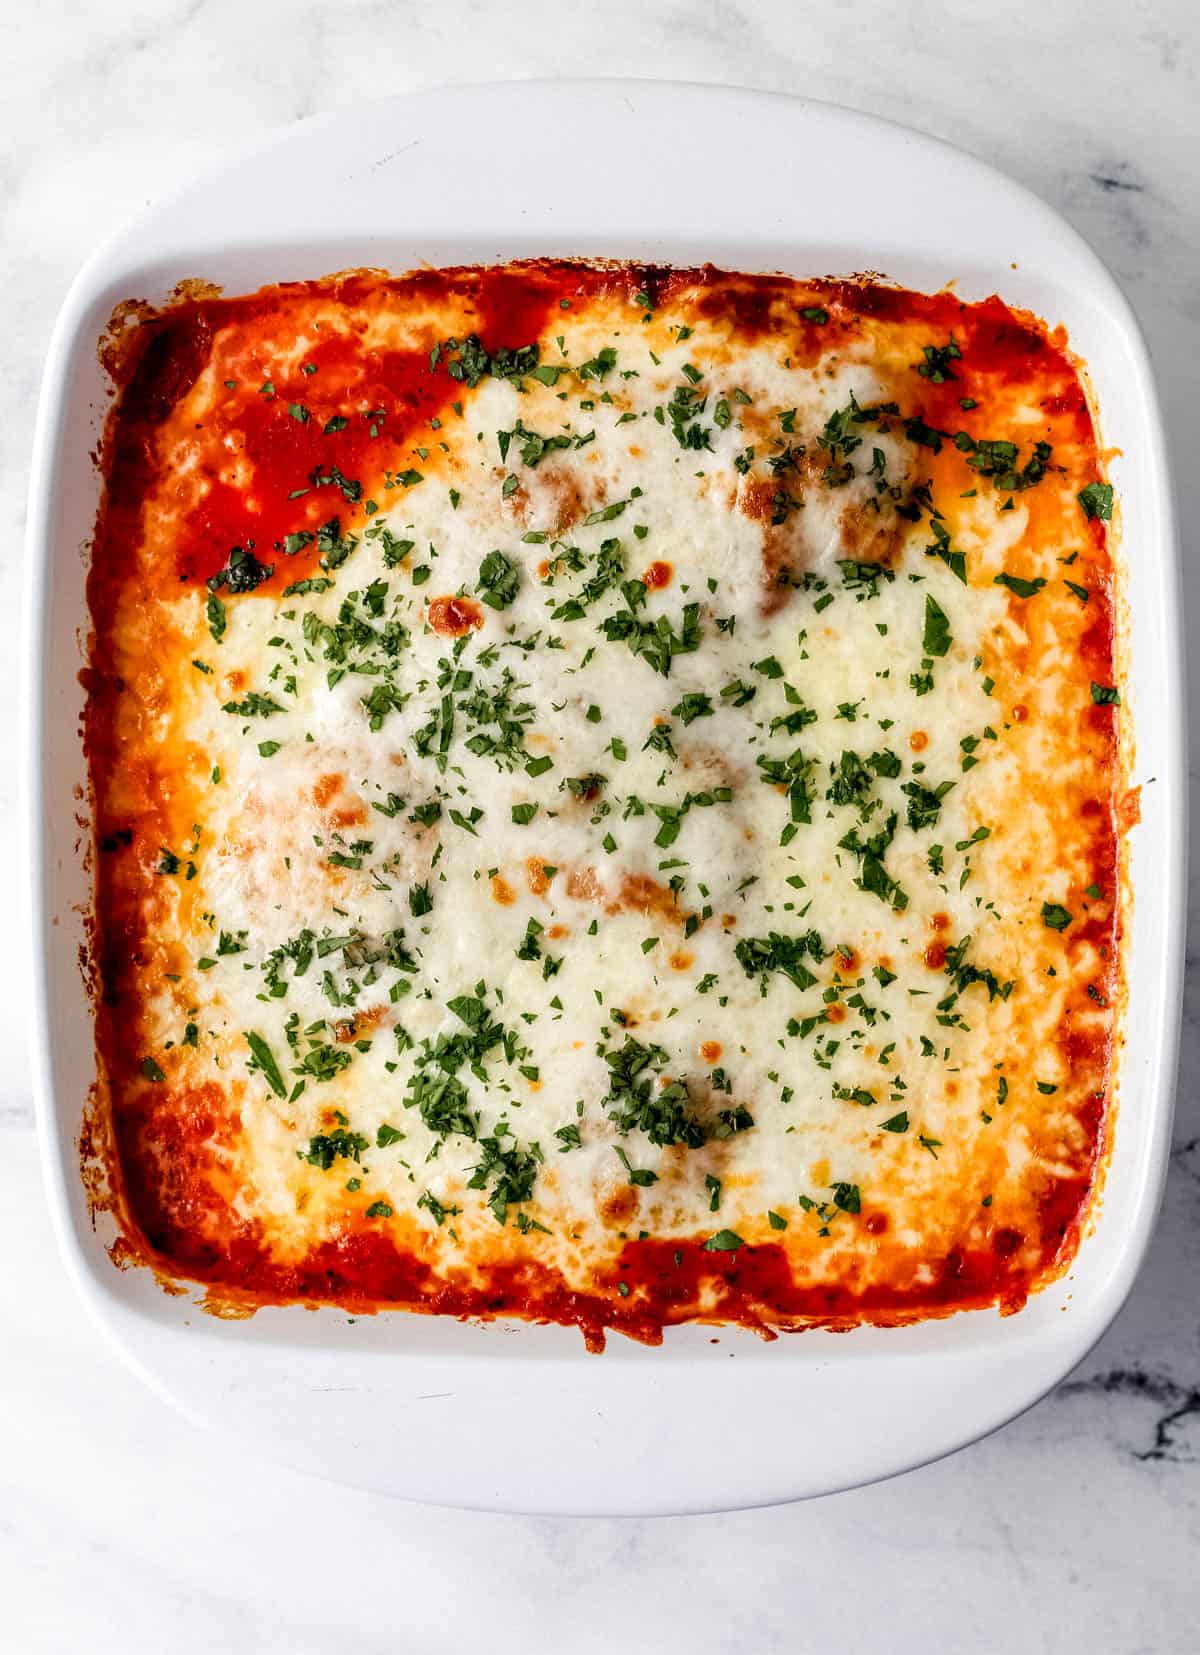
696 887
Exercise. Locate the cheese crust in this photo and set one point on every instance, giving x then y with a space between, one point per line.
607 788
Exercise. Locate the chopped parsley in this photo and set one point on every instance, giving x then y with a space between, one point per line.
1097 502
1055 917
936 639
498 581
1022 588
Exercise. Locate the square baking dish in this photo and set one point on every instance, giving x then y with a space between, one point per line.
519 1417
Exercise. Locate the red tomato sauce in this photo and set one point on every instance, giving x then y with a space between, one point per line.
453 617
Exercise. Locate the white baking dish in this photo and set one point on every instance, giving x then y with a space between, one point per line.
518 1417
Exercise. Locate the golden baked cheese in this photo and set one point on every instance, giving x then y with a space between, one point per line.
607 788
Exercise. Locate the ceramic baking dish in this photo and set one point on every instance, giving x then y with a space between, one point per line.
520 1417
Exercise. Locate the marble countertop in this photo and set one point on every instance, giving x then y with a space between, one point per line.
124 1528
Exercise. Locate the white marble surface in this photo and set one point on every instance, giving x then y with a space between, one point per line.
121 1528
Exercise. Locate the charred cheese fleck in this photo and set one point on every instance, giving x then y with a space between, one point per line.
607 788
